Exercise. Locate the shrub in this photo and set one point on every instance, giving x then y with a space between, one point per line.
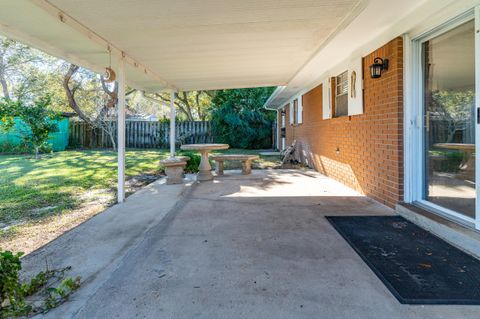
193 162
24 148
13 293
447 161
38 117
239 119
8 148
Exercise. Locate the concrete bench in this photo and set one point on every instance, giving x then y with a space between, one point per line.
174 168
244 158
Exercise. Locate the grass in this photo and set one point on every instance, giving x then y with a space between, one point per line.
30 188
41 199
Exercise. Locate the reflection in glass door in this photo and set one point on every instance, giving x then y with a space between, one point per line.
449 127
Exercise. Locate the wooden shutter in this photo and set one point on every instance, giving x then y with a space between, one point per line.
300 110
326 105
355 87
291 112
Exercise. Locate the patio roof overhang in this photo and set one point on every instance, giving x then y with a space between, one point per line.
183 45
213 44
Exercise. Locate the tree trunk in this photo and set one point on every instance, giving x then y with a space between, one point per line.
3 79
71 93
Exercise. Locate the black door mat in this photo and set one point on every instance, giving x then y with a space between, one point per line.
415 265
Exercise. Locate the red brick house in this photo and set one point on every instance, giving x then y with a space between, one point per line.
392 136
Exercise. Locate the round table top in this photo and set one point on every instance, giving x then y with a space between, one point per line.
456 146
204 147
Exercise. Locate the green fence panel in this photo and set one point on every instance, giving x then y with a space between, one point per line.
58 140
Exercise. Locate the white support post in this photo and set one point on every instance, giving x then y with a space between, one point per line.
172 124
477 109
121 132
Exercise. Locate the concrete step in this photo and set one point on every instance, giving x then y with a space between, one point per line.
462 237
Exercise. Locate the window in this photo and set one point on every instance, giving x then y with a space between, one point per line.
341 94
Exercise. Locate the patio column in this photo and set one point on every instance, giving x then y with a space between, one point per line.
121 132
172 124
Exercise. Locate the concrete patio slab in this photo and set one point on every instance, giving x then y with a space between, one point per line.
255 246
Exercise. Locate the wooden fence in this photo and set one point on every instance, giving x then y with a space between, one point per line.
139 134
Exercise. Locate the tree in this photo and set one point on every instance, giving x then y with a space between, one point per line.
192 105
22 69
455 107
92 99
239 119
38 117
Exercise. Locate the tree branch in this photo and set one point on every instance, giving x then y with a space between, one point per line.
71 93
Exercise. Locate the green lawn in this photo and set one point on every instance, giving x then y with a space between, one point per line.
31 189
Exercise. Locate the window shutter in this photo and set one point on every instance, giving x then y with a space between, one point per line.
291 111
355 87
300 109
326 107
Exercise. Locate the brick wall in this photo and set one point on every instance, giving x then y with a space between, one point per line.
364 151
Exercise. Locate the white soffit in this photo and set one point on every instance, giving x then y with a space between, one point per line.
378 23
184 44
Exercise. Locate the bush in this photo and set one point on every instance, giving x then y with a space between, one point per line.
8 148
24 148
193 162
38 117
13 293
446 161
239 119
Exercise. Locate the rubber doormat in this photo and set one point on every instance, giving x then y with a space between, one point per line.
415 265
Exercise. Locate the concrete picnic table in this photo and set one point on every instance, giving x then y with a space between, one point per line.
205 170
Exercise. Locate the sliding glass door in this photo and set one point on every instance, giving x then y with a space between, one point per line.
450 121
442 120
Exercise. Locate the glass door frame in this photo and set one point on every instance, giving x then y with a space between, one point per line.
415 183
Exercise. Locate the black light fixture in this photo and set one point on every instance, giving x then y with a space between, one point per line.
377 67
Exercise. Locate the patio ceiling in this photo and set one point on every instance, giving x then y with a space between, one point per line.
186 45
213 44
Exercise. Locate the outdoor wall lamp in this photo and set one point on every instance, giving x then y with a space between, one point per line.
377 67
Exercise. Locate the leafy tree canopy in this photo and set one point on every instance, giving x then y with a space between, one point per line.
239 119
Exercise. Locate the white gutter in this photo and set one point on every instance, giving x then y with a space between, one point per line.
275 93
